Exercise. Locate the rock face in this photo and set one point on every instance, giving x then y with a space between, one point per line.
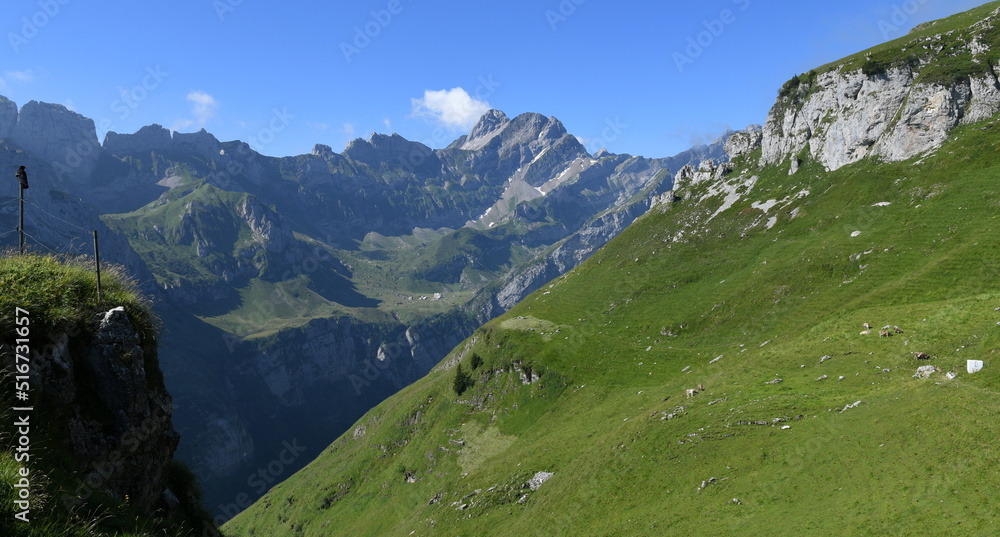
485 130
8 117
147 139
744 142
199 143
571 252
264 224
115 412
843 116
381 149
53 133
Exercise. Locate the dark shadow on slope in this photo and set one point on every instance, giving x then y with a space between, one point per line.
336 288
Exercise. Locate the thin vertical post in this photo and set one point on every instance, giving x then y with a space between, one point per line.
97 259
20 218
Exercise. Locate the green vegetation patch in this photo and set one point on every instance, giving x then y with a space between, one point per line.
481 445
58 292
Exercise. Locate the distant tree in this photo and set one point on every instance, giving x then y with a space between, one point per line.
463 381
790 87
476 361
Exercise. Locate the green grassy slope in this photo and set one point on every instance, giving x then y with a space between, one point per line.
618 340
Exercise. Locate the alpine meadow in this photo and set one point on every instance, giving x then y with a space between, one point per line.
743 359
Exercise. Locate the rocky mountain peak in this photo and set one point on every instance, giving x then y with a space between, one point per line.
149 138
530 126
485 129
201 142
55 134
382 149
322 150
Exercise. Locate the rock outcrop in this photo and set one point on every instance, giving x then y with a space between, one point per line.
894 112
381 149
744 142
147 139
264 224
484 130
109 405
65 139
8 117
198 143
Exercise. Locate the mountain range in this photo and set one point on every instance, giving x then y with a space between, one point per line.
296 293
790 342
782 332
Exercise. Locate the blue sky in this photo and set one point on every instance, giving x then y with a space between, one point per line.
646 78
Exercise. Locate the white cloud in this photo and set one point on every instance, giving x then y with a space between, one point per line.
20 76
452 108
204 106
700 134
387 123
348 129
203 110
181 124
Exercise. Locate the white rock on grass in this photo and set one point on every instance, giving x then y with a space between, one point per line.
541 477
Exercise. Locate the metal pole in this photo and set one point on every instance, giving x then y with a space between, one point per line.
97 259
20 225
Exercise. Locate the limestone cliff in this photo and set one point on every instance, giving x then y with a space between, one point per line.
59 136
896 103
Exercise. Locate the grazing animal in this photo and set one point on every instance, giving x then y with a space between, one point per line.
865 332
884 333
691 392
922 356
867 326
701 388
897 329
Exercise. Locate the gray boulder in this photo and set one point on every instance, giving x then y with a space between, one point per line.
541 477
